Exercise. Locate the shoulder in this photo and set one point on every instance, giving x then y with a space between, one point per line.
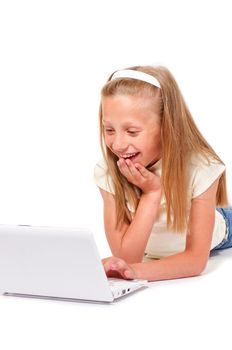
203 171
100 168
102 177
200 160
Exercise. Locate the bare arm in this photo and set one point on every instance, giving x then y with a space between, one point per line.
130 242
193 260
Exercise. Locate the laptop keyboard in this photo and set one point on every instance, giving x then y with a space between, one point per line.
117 282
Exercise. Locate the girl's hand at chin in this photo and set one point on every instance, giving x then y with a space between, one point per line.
118 268
139 176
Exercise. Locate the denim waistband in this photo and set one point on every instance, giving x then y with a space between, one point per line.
222 211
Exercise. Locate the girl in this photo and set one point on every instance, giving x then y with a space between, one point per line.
160 180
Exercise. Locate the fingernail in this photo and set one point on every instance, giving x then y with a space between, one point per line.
113 266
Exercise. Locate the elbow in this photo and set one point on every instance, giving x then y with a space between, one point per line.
197 272
199 267
197 264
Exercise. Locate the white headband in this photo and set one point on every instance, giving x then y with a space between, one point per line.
135 74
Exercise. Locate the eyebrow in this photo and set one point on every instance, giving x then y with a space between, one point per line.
125 125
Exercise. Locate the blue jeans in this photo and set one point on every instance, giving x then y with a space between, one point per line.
227 241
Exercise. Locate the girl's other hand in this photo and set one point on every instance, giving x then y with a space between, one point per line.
139 176
118 268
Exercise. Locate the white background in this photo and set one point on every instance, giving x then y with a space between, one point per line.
54 58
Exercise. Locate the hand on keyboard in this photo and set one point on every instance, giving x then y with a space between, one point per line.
118 268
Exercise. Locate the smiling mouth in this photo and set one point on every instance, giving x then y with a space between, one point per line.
130 156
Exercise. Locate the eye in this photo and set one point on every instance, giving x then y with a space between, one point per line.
109 130
132 132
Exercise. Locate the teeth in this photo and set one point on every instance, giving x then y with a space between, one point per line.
129 155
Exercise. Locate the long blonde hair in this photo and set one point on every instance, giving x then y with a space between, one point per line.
180 139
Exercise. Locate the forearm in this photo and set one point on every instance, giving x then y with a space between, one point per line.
135 239
179 265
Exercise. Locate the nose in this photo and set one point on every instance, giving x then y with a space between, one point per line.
119 144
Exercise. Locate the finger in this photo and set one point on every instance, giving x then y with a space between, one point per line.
143 171
106 267
117 266
104 260
114 271
124 169
126 273
123 269
114 274
108 262
129 274
129 171
133 170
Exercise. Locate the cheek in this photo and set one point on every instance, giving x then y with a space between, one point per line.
154 142
107 141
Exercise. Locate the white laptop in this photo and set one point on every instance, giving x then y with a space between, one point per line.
56 262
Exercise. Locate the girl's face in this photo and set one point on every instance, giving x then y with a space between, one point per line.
132 128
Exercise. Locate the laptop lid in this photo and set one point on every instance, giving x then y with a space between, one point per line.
51 262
